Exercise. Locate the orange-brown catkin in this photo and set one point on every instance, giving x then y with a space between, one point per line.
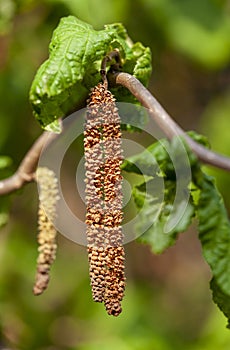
103 157
48 197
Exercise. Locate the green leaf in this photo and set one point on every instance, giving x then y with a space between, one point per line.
142 68
221 299
138 62
164 155
199 138
156 209
214 231
159 161
162 214
151 160
75 53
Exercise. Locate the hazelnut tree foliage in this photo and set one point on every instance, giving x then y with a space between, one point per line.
62 84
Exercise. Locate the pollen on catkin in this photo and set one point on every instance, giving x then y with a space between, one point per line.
103 157
48 197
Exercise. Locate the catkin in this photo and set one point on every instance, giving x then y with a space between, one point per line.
103 157
46 231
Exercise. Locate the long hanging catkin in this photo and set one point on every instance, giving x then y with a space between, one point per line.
46 231
103 157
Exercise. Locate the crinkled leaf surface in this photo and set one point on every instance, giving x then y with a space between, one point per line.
151 160
214 231
205 201
157 204
75 53
214 234
155 213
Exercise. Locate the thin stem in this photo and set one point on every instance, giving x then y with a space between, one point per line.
27 168
169 127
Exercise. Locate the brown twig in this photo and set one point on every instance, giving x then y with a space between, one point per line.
169 127
25 171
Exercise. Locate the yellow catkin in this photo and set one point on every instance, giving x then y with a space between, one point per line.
48 197
103 157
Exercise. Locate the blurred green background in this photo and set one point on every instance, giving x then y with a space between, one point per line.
168 303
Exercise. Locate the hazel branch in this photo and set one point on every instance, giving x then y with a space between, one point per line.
169 127
27 167
25 171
